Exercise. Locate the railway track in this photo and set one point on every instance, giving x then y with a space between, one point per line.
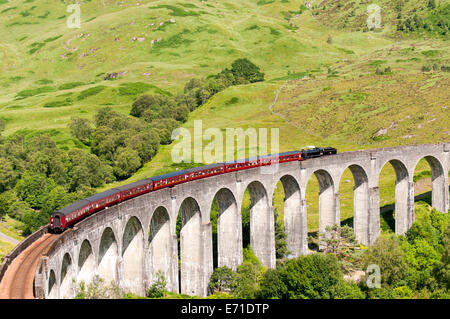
18 280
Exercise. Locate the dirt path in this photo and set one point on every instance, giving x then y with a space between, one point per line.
10 239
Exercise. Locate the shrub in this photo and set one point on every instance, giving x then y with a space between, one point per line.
158 287
308 277
222 280
389 256
90 92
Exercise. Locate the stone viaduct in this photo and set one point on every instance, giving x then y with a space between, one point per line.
128 243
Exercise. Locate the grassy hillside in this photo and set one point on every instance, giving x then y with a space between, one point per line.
398 18
338 86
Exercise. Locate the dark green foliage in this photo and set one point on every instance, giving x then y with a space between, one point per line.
62 103
126 162
222 280
33 188
426 251
133 88
389 256
123 142
86 170
280 239
176 11
245 71
435 20
31 92
314 276
40 178
70 85
158 287
164 128
90 92
81 129
248 275
7 174
416 264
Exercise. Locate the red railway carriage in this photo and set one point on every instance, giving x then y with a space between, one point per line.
205 171
71 214
169 180
135 189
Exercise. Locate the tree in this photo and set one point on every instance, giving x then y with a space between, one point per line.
245 71
248 276
81 129
145 143
164 127
308 277
7 175
158 287
126 162
389 256
280 239
431 4
148 102
87 170
34 189
336 239
222 280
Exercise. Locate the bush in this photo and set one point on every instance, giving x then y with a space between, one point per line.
90 92
222 280
389 256
158 287
245 71
127 161
308 277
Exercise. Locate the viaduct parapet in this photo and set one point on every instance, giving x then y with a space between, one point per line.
129 242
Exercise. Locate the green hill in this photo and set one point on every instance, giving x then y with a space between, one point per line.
420 17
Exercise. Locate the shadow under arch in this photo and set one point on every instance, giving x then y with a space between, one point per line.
161 246
439 188
133 256
66 277
294 219
404 213
86 263
262 232
52 286
328 212
229 230
107 256
360 220
191 248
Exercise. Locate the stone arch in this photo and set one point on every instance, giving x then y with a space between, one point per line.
360 203
293 217
66 284
86 263
191 251
328 208
229 230
133 256
52 286
438 182
160 245
262 232
404 189
107 256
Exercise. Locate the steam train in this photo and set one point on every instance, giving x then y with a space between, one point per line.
69 215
